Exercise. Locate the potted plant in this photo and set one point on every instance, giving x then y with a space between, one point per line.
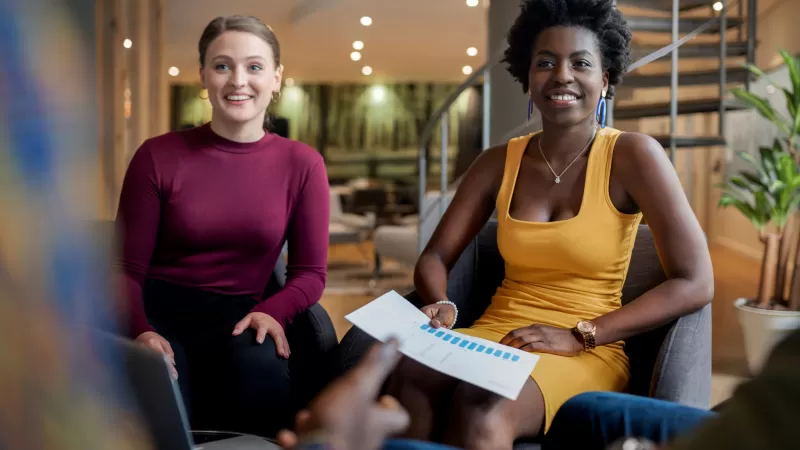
768 195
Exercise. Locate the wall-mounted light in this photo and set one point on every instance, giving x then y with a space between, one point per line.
472 3
717 6
358 45
174 71
355 56
366 70
127 43
472 51
466 70
366 21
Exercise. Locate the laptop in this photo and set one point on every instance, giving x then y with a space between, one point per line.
160 405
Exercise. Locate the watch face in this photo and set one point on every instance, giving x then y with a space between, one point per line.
584 326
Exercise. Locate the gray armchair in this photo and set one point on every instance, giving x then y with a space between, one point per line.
670 363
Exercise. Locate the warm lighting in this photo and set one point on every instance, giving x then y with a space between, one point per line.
366 70
174 71
377 94
366 21
466 70
289 82
472 3
127 43
472 51
355 56
717 6
358 45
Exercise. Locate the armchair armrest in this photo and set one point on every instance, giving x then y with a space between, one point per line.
682 370
312 339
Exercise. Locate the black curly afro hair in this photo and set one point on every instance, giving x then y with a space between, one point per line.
599 16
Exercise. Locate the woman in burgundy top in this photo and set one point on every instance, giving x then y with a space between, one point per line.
204 214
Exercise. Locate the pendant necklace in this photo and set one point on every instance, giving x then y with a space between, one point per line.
558 176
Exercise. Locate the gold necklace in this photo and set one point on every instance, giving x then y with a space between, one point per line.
558 177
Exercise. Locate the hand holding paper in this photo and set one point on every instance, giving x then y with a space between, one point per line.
494 367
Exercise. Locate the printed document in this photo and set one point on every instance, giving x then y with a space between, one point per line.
494 367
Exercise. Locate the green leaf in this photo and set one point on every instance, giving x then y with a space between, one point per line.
748 157
794 72
776 185
763 107
758 183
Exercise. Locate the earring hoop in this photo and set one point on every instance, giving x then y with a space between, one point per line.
530 106
276 95
600 112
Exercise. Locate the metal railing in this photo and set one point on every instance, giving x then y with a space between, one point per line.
441 114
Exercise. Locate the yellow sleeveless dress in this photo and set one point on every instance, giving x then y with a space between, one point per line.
558 273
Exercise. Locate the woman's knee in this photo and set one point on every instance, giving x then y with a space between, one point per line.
253 363
482 420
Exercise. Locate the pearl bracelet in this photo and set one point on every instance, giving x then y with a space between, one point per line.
455 308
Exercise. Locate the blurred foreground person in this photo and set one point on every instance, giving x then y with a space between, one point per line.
58 389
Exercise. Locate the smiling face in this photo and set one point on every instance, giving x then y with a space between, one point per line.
566 76
240 75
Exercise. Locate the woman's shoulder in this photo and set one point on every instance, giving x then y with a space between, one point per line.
636 151
299 155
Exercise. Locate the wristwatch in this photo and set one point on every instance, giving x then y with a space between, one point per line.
586 330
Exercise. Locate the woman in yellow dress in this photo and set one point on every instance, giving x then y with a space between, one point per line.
569 200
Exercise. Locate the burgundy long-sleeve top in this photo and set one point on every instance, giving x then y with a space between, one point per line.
202 211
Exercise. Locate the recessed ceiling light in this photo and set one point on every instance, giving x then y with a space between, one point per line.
366 70
355 56
366 21
358 45
289 82
472 3
127 43
174 71
466 70
472 51
717 6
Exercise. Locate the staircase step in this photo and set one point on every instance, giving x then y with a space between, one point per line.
692 50
664 24
735 75
691 141
706 105
666 5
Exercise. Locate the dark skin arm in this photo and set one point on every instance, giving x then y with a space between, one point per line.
472 205
642 172
644 169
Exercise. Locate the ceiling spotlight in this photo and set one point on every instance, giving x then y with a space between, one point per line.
355 56
466 70
717 6
472 51
289 82
174 71
366 21
127 43
358 45
472 3
366 70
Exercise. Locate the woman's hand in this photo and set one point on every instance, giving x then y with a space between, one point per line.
544 339
158 343
346 415
264 325
440 314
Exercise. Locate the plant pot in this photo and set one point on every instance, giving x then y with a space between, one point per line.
762 329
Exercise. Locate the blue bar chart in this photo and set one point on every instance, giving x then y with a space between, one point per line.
468 345
483 363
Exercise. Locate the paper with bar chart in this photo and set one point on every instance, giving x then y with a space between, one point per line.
494 367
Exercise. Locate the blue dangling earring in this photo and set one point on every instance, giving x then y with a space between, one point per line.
600 112
530 107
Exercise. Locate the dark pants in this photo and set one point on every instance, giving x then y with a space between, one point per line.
597 419
227 383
